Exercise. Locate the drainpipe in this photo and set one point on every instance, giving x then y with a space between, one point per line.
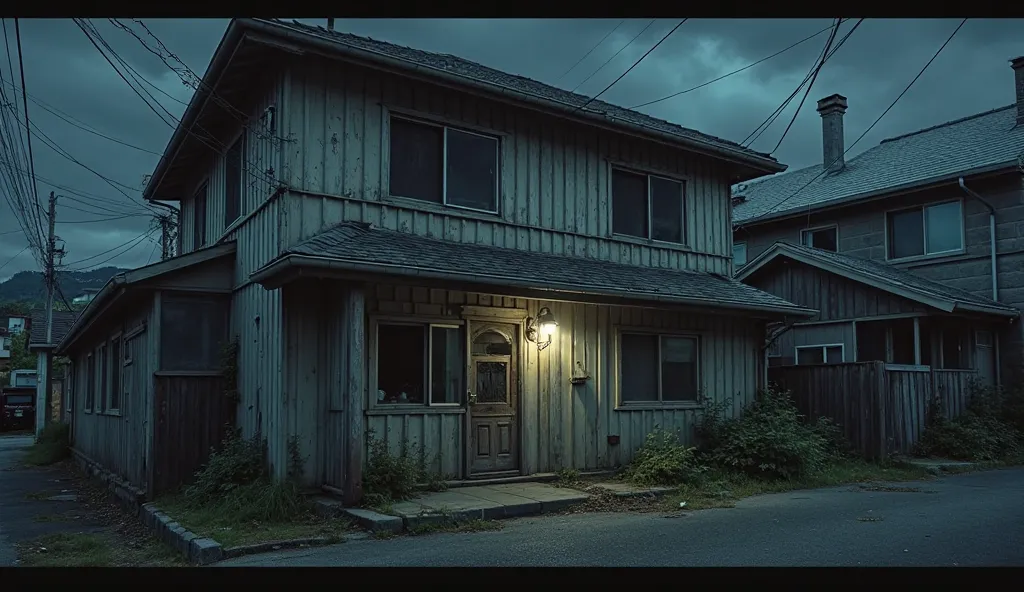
992 256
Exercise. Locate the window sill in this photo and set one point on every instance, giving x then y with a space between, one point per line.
409 203
650 242
417 410
928 259
110 413
681 406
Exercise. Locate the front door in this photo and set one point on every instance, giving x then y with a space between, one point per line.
493 399
985 357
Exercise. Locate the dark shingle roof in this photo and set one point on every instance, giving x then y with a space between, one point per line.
62 322
464 68
412 254
986 139
896 277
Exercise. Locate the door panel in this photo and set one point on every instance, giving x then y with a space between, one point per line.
493 400
985 358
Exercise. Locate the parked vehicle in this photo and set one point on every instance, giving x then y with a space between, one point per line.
19 408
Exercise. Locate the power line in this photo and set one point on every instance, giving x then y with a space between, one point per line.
24 102
826 168
130 244
103 219
724 76
8 262
586 55
635 64
615 55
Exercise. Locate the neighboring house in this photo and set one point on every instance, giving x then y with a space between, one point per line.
937 212
9 327
414 247
85 297
43 347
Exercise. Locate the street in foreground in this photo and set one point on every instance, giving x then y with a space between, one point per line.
974 519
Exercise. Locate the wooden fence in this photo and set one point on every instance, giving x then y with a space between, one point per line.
192 416
881 410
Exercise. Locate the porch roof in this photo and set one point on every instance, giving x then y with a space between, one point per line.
361 248
883 277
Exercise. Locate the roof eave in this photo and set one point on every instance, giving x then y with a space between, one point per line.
871 195
109 294
285 268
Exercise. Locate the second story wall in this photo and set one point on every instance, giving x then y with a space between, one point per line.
553 186
866 231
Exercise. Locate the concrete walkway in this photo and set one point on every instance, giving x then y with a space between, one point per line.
487 502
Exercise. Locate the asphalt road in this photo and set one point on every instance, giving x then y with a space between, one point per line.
974 519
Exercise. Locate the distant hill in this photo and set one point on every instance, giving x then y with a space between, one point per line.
28 285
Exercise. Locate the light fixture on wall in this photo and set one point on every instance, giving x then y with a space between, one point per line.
540 329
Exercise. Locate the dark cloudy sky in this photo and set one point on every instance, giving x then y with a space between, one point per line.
66 74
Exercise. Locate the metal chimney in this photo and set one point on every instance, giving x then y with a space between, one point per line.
330 24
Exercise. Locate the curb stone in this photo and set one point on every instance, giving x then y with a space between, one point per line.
239 551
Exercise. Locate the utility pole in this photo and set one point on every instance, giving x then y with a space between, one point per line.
165 238
44 404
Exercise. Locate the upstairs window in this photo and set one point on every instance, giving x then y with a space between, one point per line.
927 230
233 181
199 218
825 239
819 354
739 255
647 206
444 165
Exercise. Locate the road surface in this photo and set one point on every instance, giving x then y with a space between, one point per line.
974 519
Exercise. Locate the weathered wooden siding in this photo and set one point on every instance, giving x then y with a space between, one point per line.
834 297
117 440
881 410
824 334
554 176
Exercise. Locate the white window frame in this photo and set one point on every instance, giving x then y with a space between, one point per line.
659 403
650 220
243 147
924 224
444 161
734 247
809 232
427 325
824 352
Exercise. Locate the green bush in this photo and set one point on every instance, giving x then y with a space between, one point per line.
388 478
986 431
663 460
239 462
53 445
768 440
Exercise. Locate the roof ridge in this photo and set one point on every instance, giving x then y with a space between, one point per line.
947 124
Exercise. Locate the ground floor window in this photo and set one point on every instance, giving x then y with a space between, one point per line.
820 354
420 364
658 368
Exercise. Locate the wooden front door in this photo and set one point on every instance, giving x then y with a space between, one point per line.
493 399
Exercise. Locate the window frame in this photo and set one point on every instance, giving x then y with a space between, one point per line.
427 324
621 405
824 352
683 182
116 365
103 369
241 142
90 383
924 224
745 260
810 232
199 236
445 127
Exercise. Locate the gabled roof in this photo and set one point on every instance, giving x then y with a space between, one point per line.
981 143
881 276
356 247
297 37
63 320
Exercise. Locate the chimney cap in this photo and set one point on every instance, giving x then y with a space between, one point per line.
1017 62
832 103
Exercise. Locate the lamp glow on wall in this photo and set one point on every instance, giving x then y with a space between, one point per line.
540 329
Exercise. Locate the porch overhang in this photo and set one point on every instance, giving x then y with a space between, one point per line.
882 277
359 256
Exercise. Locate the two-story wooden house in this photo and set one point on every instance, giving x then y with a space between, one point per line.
414 247
913 251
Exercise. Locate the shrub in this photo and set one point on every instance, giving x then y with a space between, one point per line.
663 460
768 440
238 463
984 432
53 445
389 478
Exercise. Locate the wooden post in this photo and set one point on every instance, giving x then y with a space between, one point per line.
355 393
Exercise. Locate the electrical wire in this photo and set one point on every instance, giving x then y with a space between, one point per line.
825 169
615 55
18 254
586 55
724 76
131 244
810 86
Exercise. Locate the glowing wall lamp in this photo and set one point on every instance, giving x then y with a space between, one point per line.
540 329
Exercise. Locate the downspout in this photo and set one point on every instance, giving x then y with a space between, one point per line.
992 257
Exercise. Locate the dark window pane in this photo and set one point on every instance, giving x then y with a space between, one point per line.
810 355
193 330
492 382
472 171
233 182
925 331
639 368
954 349
101 357
401 354
902 341
824 239
906 234
629 204
115 374
945 226
491 343
871 342
90 381
416 160
447 365
199 218
666 210
679 369
834 355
